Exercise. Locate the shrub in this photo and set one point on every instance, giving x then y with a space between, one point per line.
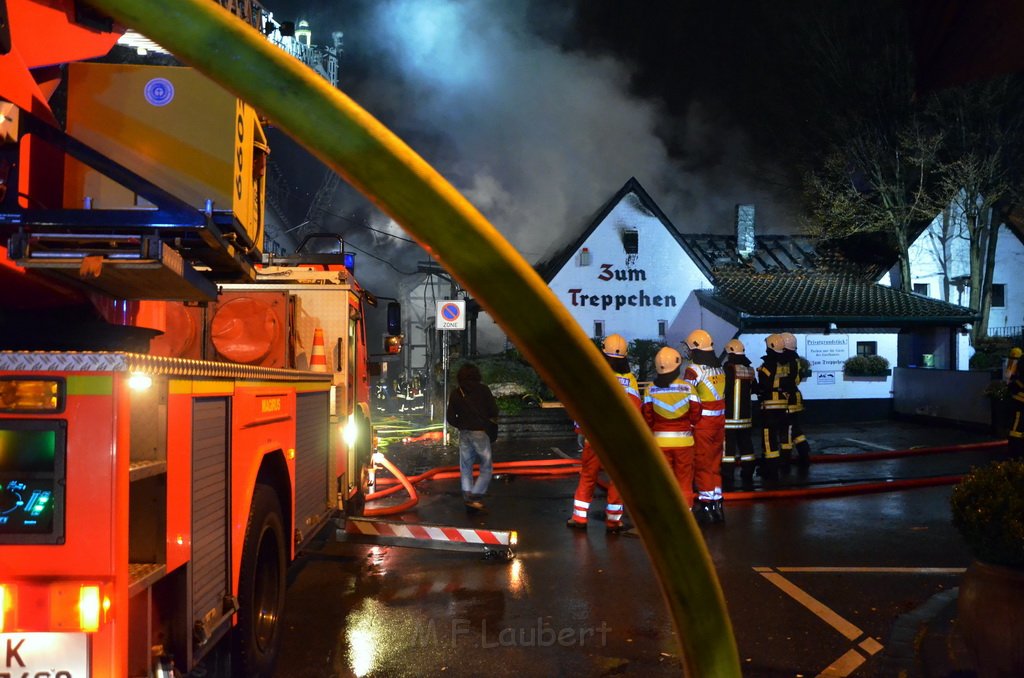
988 510
866 366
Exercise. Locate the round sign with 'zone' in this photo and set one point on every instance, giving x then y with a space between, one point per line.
450 312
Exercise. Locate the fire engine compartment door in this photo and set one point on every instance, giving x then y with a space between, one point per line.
210 583
312 463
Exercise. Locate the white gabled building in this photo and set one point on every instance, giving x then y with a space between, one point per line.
629 273
942 253
632 273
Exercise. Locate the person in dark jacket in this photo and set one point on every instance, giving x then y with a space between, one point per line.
472 410
1014 378
740 380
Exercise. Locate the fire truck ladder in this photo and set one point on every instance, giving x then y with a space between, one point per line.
150 253
492 544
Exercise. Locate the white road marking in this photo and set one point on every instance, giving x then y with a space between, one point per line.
843 666
875 445
824 612
875 570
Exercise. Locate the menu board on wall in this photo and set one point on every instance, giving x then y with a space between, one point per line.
827 353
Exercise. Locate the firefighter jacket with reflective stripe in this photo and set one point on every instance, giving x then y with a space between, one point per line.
792 381
1015 381
771 382
671 412
739 384
709 383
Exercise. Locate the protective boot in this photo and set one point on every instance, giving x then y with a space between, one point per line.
728 474
717 511
784 459
702 511
747 475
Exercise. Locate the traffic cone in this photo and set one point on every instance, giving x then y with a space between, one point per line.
318 359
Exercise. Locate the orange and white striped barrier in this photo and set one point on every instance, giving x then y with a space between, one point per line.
318 358
426 536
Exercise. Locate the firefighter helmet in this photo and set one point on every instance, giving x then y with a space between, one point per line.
735 347
1016 353
666 360
699 340
774 343
615 346
788 341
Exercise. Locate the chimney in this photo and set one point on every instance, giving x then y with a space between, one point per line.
744 230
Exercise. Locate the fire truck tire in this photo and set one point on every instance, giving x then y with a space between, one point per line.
261 589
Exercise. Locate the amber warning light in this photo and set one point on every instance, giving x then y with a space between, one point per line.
31 395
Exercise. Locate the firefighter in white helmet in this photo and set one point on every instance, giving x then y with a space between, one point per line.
740 379
771 381
671 408
794 438
614 348
705 373
1014 377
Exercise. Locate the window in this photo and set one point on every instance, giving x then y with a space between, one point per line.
998 295
921 288
868 347
662 328
598 328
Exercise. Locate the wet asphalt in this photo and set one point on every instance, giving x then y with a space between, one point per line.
813 586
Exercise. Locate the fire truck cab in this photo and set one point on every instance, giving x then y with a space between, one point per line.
179 412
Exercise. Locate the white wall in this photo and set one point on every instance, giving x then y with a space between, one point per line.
827 353
630 297
926 255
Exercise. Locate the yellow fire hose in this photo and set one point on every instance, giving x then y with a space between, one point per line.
376 162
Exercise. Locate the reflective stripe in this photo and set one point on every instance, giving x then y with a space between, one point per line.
673 434
712 413
580 514
747 457
613 508
728 459
706 495
581 504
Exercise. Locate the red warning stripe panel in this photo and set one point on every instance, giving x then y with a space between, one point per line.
454 534
426 532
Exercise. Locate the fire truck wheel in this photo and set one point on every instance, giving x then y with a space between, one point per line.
261 588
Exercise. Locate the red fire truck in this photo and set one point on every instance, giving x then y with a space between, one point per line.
172 429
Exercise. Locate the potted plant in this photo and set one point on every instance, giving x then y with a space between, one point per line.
988 511
866 366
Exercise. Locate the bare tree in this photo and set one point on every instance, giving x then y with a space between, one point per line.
980 170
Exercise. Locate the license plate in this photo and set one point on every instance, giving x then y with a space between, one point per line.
54 655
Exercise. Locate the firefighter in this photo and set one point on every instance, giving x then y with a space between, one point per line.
795 438
771 380
739 382
1015 382
671 408
705 373
614 348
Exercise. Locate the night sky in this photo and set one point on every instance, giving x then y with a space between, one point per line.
538 112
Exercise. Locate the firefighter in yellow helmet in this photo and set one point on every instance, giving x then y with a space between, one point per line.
740 379
1014 377
614 349
794 438
671 408
772 377
705 373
